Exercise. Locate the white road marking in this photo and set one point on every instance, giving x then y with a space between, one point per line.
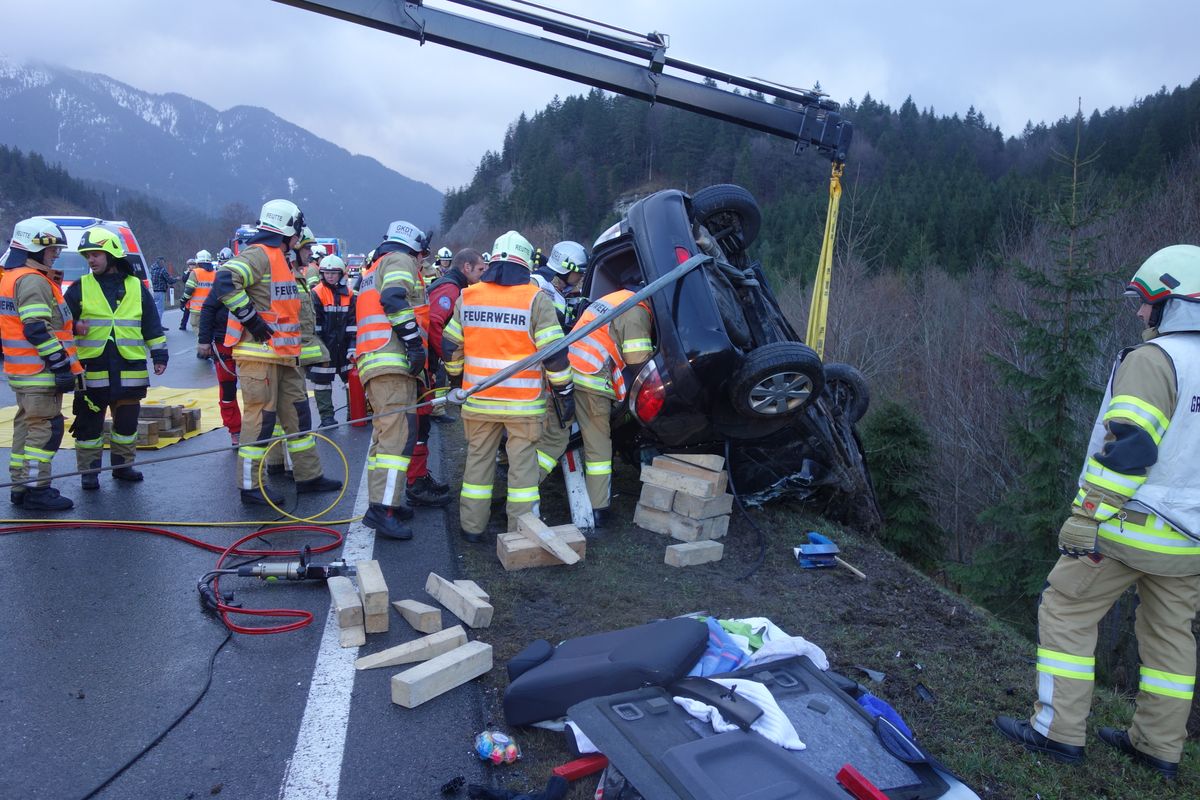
314 771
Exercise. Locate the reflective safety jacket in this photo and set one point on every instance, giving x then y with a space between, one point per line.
123 329
262 278
1157 530
199 284
392 279
335 309
494 327
24 298
598 358
312 349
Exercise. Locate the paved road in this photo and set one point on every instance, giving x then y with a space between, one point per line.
103 646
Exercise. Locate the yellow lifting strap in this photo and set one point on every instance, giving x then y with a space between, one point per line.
818 311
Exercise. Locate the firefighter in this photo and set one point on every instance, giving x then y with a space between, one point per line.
390 353
183 303
117 322
444 259
199 284
39 359
603 365
496 323
559 276
334 305
312 272
1134 522
260 291
210 343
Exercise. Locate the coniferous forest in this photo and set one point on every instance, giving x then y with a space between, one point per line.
977 282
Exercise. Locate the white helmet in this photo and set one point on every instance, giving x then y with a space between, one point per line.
567 257
224 255
191 262
306 237
514 248
35 234
281 216
204 257
332 264
445 255
408 235
318 252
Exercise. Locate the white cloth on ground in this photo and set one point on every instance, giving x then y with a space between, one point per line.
773 725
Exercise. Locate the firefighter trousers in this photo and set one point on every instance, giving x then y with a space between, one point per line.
551 444
270 393
393 437
483 438
88 428
1079 593
37 434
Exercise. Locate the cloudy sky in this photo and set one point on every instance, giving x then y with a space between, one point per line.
430 112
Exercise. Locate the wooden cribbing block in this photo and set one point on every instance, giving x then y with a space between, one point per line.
154 411
471 587
538 532
426 619
657 497
702 508
191 419
672 474
677 526
470 609
702 460
376 623
372 587
516 552
691 553
354 636
347 605
422 649
167 433
175 416
439 675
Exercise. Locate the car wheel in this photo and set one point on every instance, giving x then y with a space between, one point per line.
730 213
847 390
776 380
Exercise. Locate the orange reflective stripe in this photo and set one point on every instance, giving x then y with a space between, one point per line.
284 313
21 357
495 322
593 352
326 296
204 284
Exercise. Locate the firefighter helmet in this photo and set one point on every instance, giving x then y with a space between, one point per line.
1171 273
281 216
405 233
567 257
513 248
102 239
35 234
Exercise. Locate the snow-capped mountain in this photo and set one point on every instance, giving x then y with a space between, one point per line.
179 149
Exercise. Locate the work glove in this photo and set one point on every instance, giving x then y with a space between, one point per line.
414 351
566 404
1078 536
258 328
64 380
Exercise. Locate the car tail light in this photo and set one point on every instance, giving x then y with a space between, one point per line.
681 255
648 394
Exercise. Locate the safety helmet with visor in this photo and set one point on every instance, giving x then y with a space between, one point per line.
567 257
35 234
513 248
101 239
282 217
1170 274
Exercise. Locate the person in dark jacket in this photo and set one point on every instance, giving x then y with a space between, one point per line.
116 323
336 325
210 343
161 281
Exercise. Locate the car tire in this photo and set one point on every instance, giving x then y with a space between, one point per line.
776 380
726 207
847 391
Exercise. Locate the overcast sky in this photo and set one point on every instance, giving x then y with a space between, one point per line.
430 112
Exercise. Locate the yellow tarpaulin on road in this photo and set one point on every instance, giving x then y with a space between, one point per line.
205 399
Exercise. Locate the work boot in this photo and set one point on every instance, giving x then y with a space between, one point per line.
317 484
1115 737
601 518
473 538
1021 732
16 496
386 522
254 497
423 492
278 468
443 419
328 422
90 481
46 498
123 472
440 488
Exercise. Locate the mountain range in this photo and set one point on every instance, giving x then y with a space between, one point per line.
185 152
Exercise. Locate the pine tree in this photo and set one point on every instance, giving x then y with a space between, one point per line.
899 452
1057 344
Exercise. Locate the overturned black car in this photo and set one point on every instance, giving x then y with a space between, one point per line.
729 374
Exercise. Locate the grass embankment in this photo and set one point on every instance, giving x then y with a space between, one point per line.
897 622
